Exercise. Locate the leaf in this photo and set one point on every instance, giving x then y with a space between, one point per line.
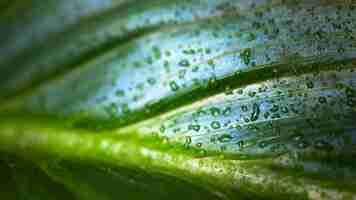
179 99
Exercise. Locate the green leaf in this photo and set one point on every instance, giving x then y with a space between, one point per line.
178 99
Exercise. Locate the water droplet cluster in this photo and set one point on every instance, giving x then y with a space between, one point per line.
266 74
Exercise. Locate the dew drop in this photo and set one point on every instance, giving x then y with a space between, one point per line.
246 56
184 63
149 60
251 94
275 116
225 138
228 90
322 100
162 129
125 108
246 119
174 86
262 144
215 111
181 73
167 53
120 93
266 115
240 144
215 125
151 81
194 127
255 112
227 111
188 141
211 62
284 109
112 110
251 37
222 148
274 108
189 51
157 52
310 84
244 108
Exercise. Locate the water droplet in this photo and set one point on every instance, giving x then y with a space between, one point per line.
215 125
225 138
162 129
227 111
213 139
151 81
181 73
165 139
246 119
211 62
298 138
189 51
137 64
246 56
251 94
310 84
184 63
111 110
188 141
167 53
120 93
237 126
251 37
284 109
228 90
203 153
156 52
125 108
194 127
166 65
262 144
240 144
149 60
222 148
275 116
322 100
174 86
140 86
266 115
215 111
201 112
255 112
195 69
212 81
244 108
274 108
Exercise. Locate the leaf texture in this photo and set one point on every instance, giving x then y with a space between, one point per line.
219 99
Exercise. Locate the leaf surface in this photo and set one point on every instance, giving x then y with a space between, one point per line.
178 99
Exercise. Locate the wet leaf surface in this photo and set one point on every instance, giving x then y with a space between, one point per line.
178 99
